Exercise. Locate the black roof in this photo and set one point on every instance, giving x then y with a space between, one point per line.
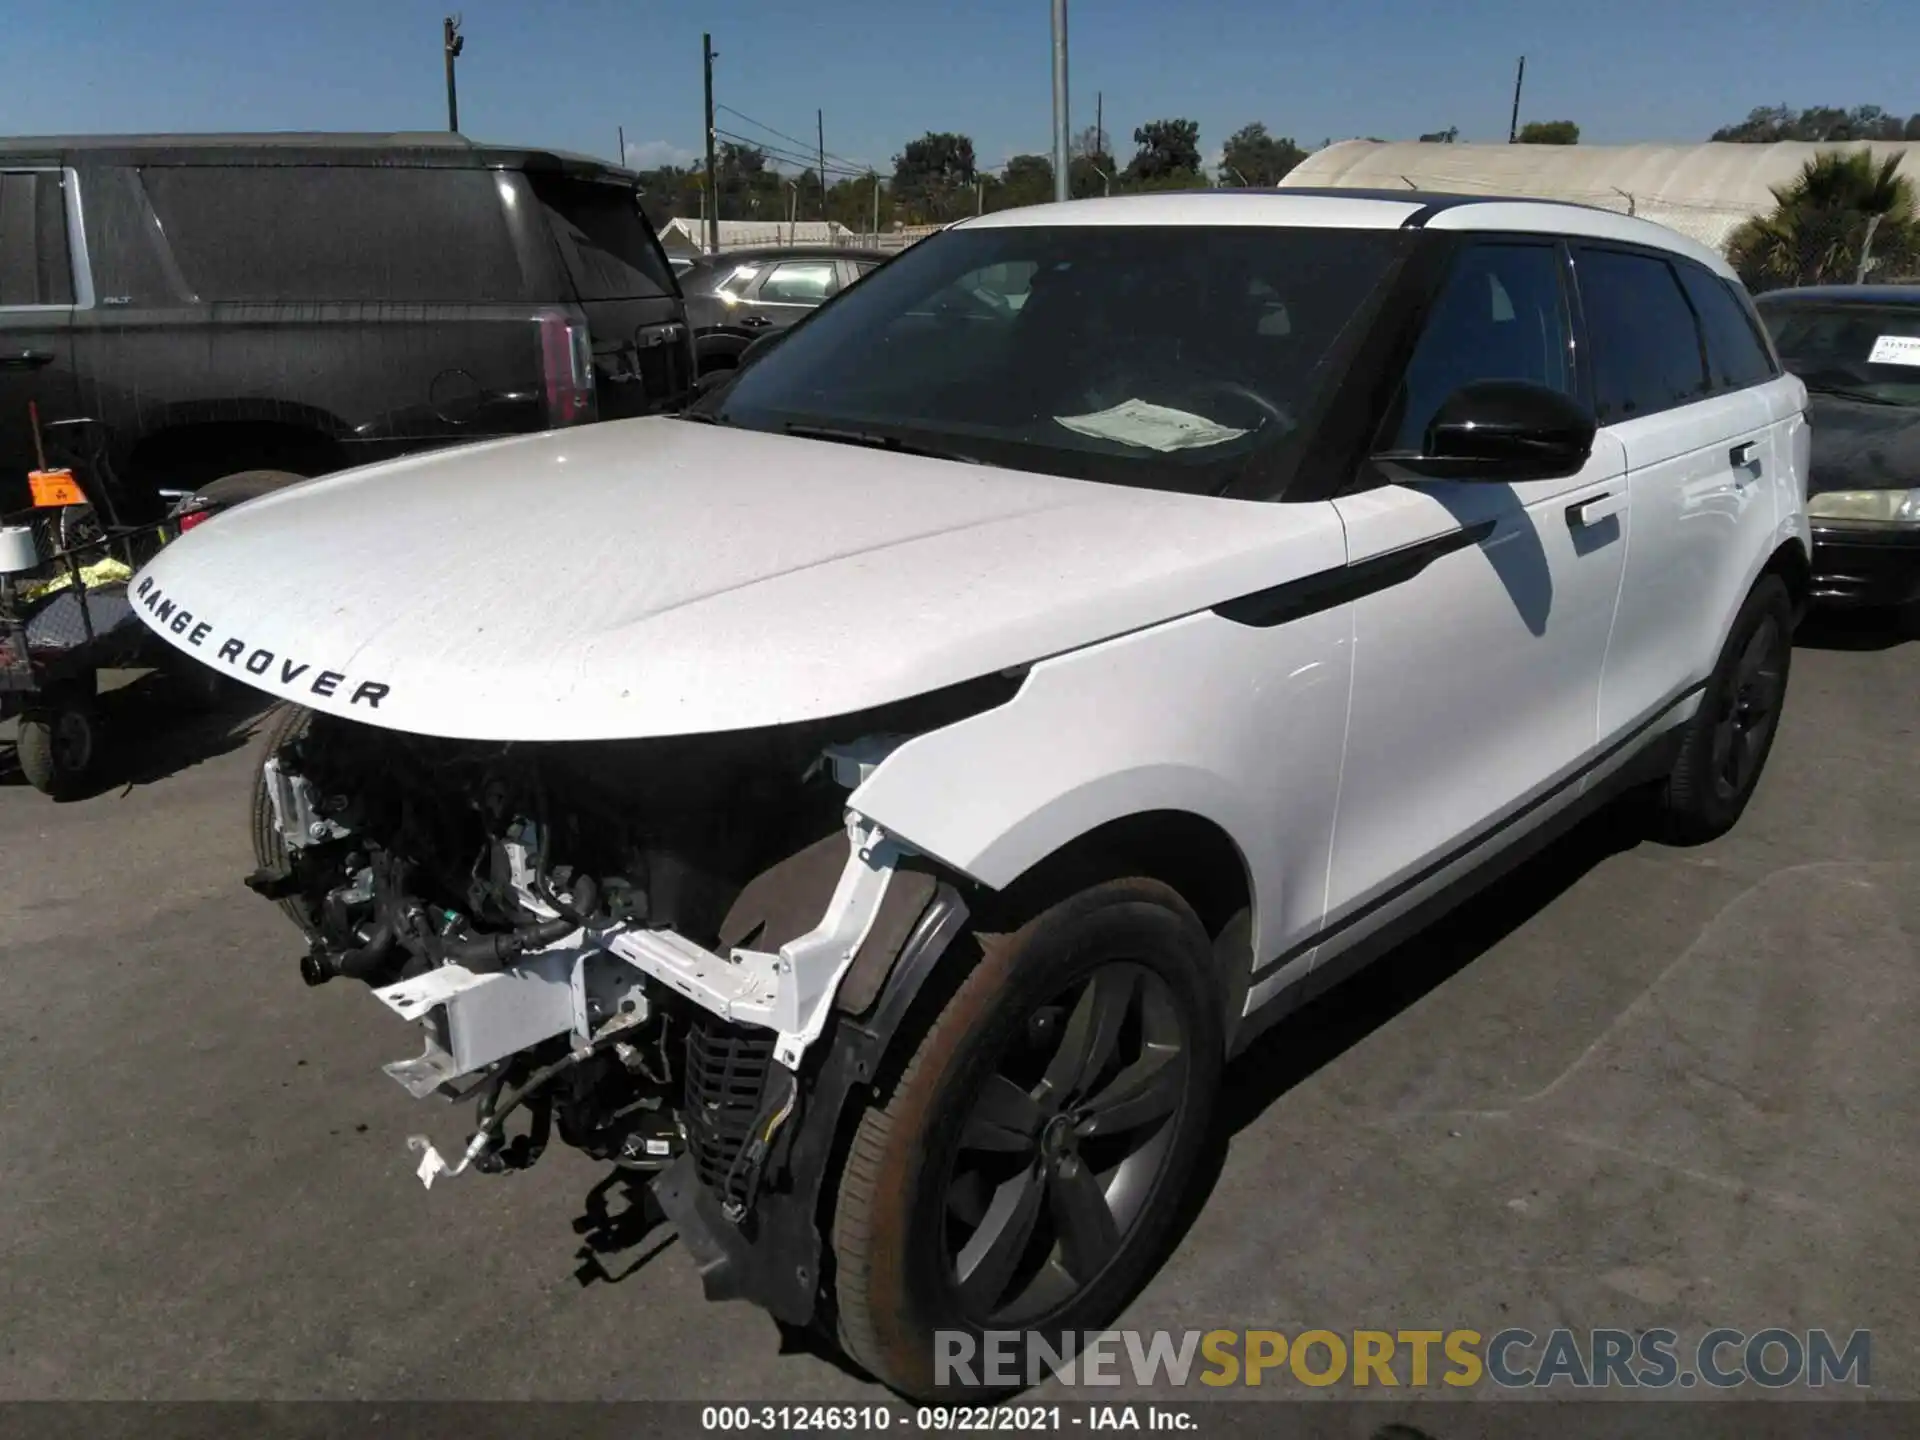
1846 294
423 149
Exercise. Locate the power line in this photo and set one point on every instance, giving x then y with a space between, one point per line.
788 157
857 166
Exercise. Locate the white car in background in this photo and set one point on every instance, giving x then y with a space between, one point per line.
880 801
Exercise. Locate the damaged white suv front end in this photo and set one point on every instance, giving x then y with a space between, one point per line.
878 802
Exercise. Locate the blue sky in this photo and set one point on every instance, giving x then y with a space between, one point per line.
569 72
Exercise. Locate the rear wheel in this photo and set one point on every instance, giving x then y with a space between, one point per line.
1727 742
1024 1170
285 724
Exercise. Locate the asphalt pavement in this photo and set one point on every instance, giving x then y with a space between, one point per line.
1631 1086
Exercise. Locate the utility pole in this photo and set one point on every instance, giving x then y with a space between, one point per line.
1513 125
1060 190
876 208
820 134
453 42
713 208
1099 121
623 146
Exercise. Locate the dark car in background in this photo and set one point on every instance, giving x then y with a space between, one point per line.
736 296
298 304
1857 348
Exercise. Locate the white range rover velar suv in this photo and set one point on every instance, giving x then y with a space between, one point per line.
879 801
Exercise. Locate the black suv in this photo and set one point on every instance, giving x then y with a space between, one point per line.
303 303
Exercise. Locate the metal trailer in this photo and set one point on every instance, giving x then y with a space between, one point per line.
66 614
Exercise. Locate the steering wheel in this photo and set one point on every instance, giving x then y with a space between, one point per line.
1233 389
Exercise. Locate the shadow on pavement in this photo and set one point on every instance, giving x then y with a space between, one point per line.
1324 1028
158 725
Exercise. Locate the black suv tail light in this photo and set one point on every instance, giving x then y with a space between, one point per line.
566 369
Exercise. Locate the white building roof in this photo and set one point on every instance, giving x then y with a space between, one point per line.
684 236
1703 191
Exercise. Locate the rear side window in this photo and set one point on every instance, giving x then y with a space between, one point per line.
1736 356
1500 316
336 232
800 282
35 267
608 247
1646 343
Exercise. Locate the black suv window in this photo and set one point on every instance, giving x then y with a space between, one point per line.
609 250
335 232
1736 357
1646 342
35 268
1500 316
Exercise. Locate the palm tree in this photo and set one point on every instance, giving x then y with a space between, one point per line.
1844 208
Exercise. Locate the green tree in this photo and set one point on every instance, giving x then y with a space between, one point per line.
1027 180
850 202
1253 157
1549 132
1090 167
1167 148
1770 124
930 174
1442 137
1843 206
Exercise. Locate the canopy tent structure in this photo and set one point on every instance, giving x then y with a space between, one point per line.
683 236
1703 191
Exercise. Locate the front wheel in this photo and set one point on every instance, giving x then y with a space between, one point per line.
1022 1173
59 743
1727 742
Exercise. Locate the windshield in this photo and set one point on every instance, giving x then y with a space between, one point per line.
1170 357
1860 352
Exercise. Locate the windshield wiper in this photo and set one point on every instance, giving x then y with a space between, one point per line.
876 440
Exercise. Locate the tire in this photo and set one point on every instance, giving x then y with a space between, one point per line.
59 744
1726 744
996 1065
285 724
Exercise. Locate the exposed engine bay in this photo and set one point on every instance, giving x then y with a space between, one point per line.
633 942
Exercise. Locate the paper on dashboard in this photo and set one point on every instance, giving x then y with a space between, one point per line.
1151 427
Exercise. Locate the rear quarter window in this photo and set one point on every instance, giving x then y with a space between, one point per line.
1647 351
1736 354
335 233
608 247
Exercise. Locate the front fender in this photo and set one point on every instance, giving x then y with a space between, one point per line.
1240 725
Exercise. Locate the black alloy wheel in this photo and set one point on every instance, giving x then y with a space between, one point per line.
1065 1142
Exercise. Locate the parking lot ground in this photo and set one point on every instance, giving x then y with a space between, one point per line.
1631 1086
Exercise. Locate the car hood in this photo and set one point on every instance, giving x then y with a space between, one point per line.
656 577
1859 446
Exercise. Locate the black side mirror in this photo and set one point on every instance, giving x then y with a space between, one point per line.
1505 430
